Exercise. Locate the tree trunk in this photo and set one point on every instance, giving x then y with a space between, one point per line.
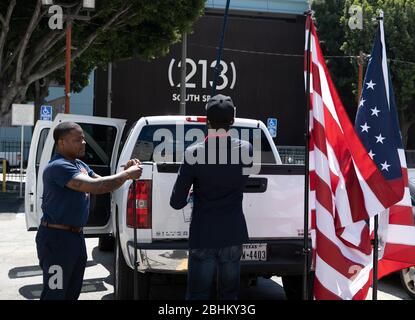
14 94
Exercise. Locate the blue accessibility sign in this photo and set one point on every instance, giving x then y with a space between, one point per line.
272 124
46 113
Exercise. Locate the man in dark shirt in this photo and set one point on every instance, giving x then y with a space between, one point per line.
218 228
67 184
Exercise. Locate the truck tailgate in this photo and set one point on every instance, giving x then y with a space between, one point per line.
273 203
277 209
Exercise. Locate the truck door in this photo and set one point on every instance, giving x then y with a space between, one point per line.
102 136
36 147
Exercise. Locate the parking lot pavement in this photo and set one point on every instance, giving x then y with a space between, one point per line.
20 275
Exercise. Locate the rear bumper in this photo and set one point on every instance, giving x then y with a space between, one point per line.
284 257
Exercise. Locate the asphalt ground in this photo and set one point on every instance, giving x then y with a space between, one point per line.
21 277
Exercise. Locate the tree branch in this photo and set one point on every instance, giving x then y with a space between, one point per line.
5 21
87 43
32 25
40 51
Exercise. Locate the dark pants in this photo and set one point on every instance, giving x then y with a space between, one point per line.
201 270
62 257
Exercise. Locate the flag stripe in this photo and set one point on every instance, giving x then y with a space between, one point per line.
325 225
332 255
323 293
399 234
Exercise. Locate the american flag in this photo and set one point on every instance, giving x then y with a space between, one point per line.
378 128
346 189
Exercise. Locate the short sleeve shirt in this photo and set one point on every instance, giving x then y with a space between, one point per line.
60 204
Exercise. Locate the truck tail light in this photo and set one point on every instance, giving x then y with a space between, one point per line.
196 119
143 205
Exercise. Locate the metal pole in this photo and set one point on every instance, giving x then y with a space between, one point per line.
183 75
4 175
306 250
21 163
68 65
135 240
109 91
222 38
360 62
375 260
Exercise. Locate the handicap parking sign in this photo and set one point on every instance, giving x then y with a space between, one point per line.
272 126
46 113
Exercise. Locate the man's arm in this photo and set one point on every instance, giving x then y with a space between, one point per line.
99 185
84 183
180 192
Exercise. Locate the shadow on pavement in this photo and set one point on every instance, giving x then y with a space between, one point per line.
10 202
106 260
34 271
33 291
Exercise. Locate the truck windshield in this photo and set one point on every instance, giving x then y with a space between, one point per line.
151 136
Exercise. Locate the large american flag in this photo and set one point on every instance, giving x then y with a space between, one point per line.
346 189
378 127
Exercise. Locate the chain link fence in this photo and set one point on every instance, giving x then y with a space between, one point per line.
296 155
292 154
10 159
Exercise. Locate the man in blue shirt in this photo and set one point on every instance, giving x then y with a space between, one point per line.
218 228
67 184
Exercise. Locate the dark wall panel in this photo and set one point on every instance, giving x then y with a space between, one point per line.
264 58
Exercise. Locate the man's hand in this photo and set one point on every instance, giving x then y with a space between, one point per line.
132 162
134 171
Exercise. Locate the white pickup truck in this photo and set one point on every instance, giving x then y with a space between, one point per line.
273 201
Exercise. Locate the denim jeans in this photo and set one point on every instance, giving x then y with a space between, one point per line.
201 269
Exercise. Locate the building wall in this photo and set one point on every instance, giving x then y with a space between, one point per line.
281 6
264 56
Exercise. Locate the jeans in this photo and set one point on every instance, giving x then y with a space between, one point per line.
201 270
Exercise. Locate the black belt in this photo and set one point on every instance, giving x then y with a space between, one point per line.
62 227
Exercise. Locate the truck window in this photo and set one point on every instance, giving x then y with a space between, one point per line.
42 139
100 140
146 144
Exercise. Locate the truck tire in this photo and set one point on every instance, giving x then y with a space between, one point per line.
106 243
124 279
293 286
408 281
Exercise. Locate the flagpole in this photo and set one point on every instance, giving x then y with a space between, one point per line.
375 259
306 249
376 225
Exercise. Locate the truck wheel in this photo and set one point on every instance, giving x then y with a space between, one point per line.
293 287
106 243
124 279
408 281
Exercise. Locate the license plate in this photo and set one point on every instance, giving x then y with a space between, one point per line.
254 252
